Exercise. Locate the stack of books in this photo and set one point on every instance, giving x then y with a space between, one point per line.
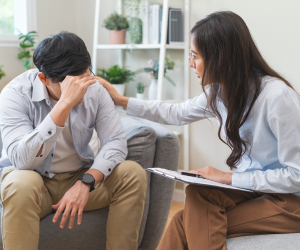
152 24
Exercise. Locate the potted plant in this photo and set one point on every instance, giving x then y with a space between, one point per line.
26 47
117 26
117 77
140 88
153 75
2 73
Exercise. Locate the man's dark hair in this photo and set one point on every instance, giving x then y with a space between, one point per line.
61 55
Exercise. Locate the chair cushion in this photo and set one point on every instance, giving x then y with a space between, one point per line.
265 242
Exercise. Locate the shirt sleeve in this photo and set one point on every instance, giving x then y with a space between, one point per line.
21 140
111 134
173 114
283 118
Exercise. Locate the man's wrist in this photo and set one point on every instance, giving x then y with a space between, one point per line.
86 186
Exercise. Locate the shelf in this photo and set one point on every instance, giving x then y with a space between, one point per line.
139 46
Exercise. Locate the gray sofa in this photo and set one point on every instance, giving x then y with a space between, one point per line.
151 145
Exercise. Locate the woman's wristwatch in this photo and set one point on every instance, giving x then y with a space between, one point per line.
89 180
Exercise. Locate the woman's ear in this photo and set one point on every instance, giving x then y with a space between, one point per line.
43 78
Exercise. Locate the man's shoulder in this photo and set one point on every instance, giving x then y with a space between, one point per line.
22 83
95 91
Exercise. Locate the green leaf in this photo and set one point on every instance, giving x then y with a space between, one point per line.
24 54
27 64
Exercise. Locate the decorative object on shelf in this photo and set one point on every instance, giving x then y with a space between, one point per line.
132 9
27 46
153 74
140 88
152 92
117 25
2 73
117 77
135 30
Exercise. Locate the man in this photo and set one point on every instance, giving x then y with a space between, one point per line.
47 117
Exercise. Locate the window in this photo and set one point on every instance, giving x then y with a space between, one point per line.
16 16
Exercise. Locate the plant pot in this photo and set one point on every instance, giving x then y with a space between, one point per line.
140 96
152 93
117 36
120 88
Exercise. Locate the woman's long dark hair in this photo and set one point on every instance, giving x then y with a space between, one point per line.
233 67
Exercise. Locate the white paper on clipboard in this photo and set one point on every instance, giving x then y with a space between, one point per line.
177 176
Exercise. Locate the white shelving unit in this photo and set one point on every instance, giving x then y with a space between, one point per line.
162 54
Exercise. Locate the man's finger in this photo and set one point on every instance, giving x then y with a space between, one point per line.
58 212
89 83
79 219
65 216
72 217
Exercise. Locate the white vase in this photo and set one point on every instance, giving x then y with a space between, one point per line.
120 88
140 96
152 92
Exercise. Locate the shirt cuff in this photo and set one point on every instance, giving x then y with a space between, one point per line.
48 128
134 107
104 166
241 180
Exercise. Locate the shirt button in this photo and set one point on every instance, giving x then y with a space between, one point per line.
109 170
46 172
41 155
52 155
49 132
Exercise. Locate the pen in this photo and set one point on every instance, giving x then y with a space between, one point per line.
192 175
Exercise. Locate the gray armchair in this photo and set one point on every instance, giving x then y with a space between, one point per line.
151 145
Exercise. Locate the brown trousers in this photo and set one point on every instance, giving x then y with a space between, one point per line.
26 196
211 215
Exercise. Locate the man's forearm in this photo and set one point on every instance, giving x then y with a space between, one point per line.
60 113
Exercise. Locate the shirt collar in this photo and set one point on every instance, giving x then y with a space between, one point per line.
39 91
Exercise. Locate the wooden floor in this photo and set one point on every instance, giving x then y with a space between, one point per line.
175 207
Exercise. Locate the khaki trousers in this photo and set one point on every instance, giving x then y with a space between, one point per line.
213 214
27 196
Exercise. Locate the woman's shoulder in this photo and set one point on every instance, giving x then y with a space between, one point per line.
273 88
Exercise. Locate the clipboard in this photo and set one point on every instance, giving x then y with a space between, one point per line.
177 176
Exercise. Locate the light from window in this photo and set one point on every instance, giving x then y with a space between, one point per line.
7 17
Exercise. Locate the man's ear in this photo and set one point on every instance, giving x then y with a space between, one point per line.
43 78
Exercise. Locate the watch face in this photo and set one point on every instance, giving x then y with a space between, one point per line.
87 178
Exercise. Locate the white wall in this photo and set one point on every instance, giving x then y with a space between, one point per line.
273 24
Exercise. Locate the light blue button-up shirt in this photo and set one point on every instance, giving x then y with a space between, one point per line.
273 129
26 125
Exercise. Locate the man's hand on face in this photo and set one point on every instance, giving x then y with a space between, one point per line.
73 88
72 202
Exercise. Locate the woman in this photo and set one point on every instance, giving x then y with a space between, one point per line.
259 115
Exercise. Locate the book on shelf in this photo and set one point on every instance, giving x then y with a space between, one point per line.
175 26
160 24
153 29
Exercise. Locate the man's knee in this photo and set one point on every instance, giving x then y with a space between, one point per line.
20 185
134 172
